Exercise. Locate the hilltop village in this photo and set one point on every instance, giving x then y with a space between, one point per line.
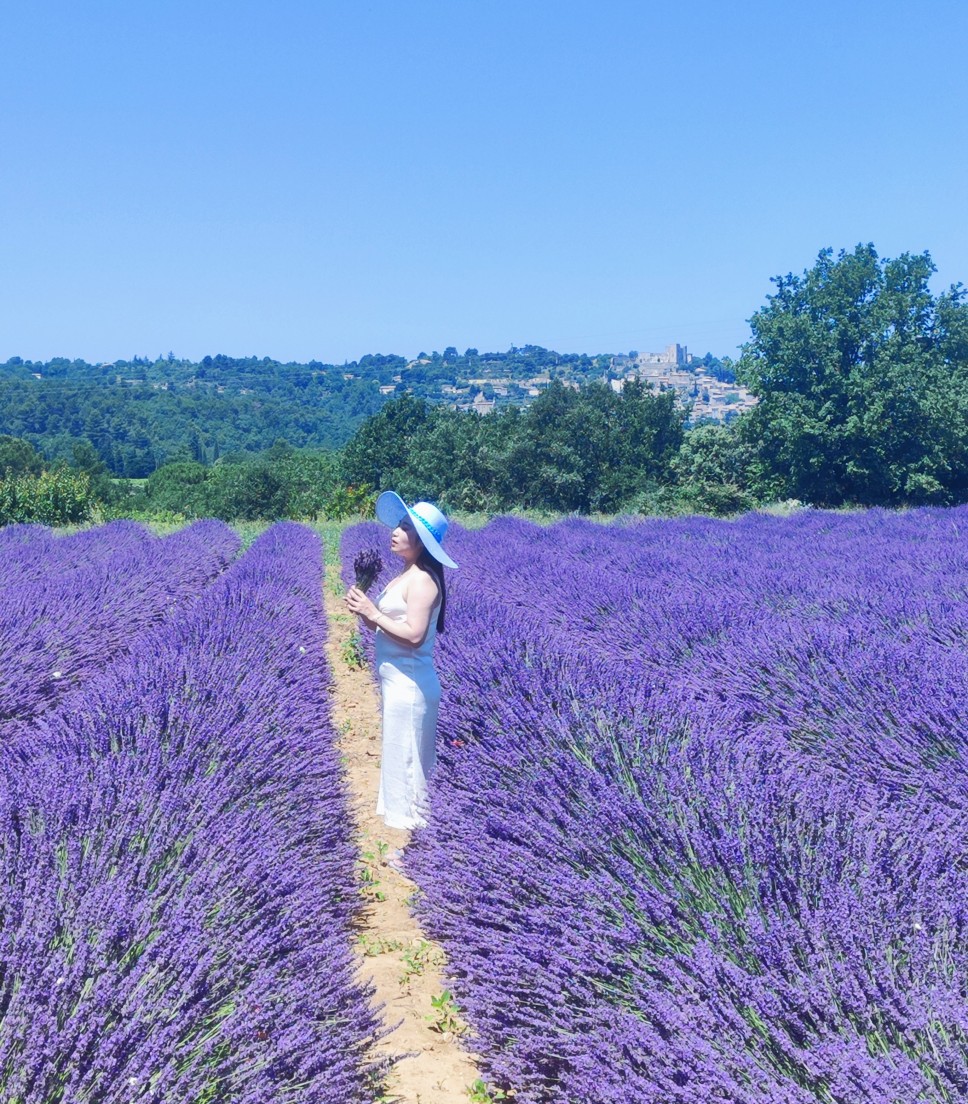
484 383
710 396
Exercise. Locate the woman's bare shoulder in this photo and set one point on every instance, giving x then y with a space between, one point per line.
422 584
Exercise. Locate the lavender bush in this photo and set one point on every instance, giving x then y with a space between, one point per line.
33 551
95 593
699 829
177 876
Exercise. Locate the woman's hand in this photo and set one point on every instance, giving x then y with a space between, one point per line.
358 603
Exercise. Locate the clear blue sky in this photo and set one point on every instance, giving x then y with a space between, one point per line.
304 178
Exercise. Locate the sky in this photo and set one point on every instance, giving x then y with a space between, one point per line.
306 179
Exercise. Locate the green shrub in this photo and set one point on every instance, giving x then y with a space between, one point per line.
55 497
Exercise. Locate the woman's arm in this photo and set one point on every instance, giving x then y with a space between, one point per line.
421 598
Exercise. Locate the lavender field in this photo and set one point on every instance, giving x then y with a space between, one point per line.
700 829
177 879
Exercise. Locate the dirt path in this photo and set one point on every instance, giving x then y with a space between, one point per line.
394 955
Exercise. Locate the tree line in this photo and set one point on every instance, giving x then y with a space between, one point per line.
137 424
860 371
139 414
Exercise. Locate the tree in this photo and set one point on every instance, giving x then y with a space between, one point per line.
712 469
19 457
593 449
249 492
85 458
313 485
862 377
280 450
384 443
55 497
178 487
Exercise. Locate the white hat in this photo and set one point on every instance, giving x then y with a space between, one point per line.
429 523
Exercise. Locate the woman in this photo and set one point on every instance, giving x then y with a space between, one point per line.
407 616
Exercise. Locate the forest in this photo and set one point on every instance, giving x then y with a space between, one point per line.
859 369
140 414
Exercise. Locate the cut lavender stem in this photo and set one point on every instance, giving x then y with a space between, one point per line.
367 565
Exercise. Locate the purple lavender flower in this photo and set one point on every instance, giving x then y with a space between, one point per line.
367 565
700 823
76 602
176 856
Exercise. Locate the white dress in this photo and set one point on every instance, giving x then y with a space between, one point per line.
411 698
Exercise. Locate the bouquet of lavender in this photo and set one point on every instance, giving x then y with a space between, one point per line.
366 566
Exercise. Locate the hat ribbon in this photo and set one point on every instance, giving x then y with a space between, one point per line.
435 533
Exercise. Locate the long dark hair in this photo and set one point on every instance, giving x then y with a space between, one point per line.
433 568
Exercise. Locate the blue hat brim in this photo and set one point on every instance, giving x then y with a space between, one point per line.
391 510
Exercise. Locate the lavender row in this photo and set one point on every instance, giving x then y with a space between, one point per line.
60 626
177 876
652 906
660 869
31 551
739 605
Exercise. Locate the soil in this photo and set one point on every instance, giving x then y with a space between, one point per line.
395 957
